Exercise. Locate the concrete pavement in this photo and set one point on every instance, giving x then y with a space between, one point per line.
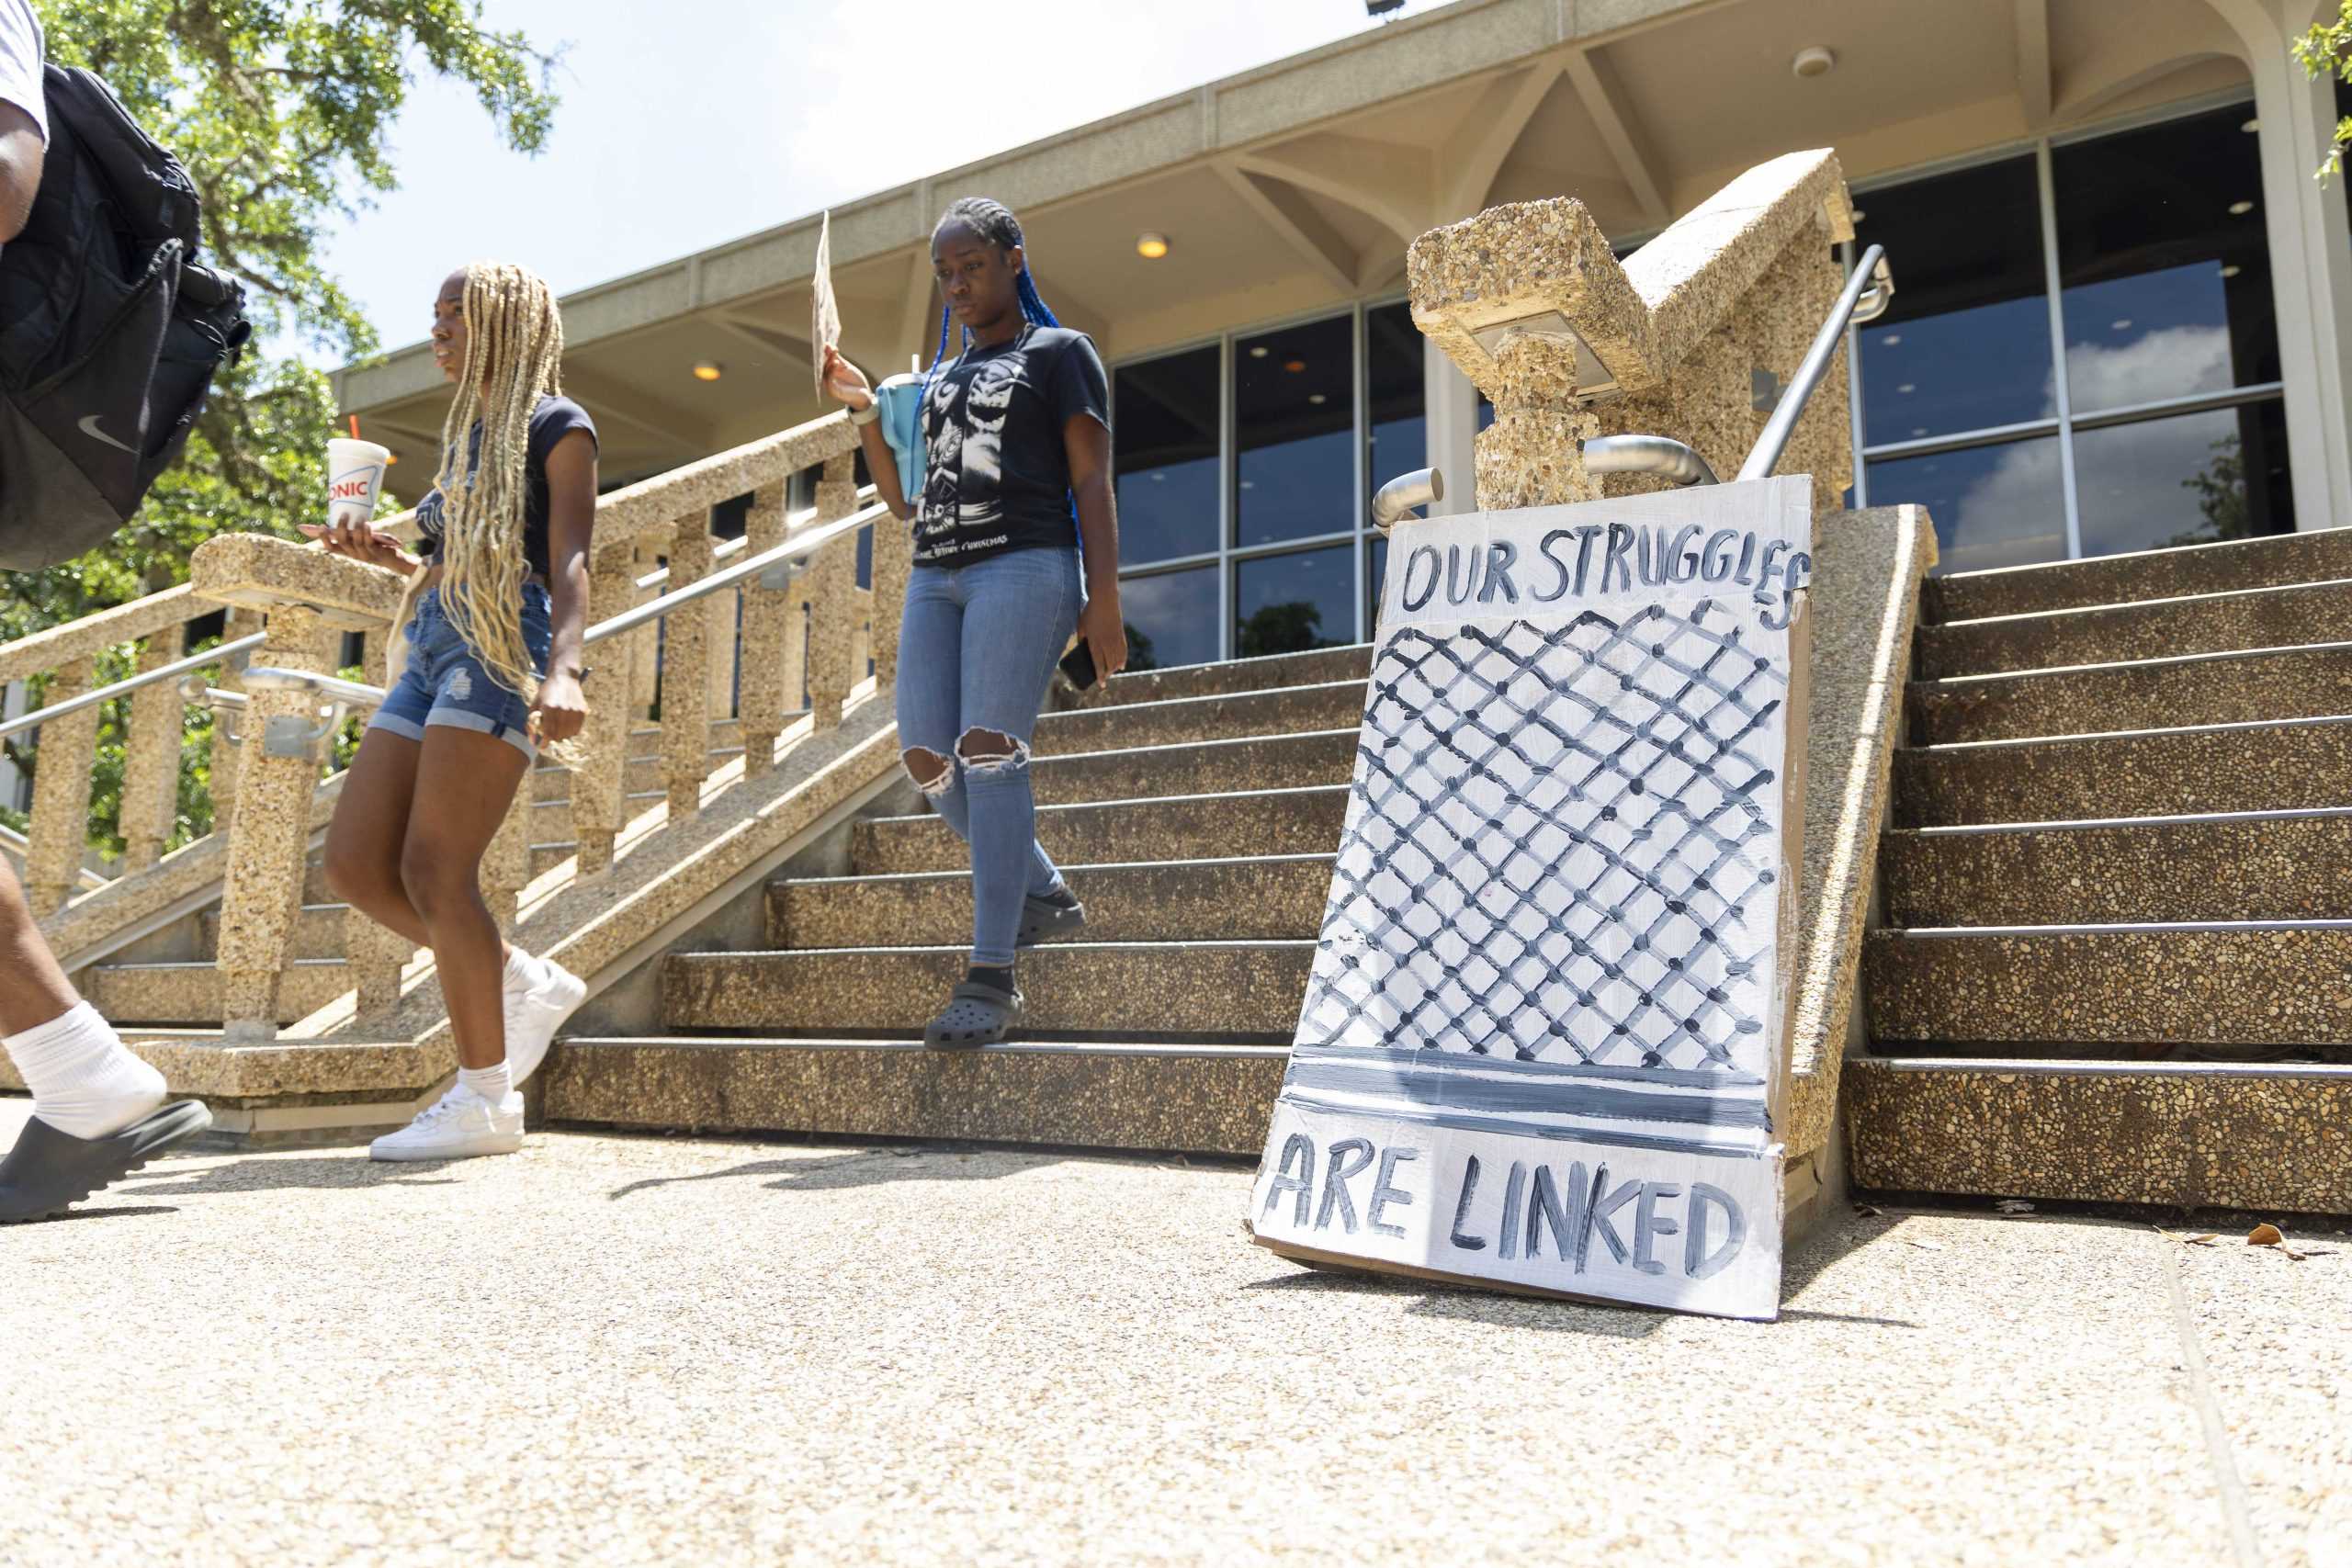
670 1350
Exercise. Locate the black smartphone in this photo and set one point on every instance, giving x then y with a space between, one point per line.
1078 666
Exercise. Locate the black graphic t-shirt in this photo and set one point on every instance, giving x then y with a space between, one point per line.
554 419
996 473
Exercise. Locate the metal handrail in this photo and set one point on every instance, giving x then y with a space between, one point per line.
16 844
1660 454
353 694
172 671
1422 487
1871 274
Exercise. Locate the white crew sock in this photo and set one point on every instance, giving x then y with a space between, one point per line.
85 1082
523 971
494 1084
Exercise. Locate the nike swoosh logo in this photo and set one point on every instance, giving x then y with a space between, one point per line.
89 427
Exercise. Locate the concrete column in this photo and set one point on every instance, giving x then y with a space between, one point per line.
227 758
269 840
833 593
151 759
2311 253
601 779
61 816
506 865
1451 420
768 614
685 686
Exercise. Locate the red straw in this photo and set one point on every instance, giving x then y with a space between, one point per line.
355 427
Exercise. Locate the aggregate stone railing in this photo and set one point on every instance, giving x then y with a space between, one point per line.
749 652
1693 336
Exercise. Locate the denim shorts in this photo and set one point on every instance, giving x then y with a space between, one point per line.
444 683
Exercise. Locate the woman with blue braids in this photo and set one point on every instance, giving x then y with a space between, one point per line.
1016 480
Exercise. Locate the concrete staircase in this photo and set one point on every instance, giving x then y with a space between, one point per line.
2116 961
1195 811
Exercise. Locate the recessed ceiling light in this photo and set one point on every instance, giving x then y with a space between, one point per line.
1907 387
1918 430
2240 208
708 370
1857 215
2123 325
1892 339
1294 367
1813 61
1317 398
1260 350
2232 270
1151 247
1159 476
2250 127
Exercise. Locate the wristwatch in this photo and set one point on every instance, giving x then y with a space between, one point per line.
868 414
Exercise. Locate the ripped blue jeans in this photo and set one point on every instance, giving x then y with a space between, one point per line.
977 646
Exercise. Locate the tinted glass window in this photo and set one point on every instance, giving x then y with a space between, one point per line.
2190 479
1294 432
1395 393
1992 505
1966 342
1164 456
1171 618
2163 262
1287 604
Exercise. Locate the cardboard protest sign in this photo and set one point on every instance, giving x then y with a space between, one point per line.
824 312
1541 1047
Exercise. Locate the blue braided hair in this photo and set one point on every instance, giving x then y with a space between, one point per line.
992 221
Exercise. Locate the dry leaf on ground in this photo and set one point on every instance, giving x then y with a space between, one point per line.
1925 1242
2264 1235
2202 1239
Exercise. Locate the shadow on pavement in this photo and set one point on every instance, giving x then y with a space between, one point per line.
277 1173
860 1168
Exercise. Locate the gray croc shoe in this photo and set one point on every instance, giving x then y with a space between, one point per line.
976 1015
1043 920
49 1170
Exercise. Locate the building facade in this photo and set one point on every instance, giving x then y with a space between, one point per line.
2122 319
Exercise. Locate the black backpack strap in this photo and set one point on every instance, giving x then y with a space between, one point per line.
153 192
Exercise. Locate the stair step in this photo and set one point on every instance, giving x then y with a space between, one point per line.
2249 983
1177 828
1139 991
1274 898
1194 1098
1336 704
2245 866
2293 764
2154 693
2314 556
2212 623
319 931
1314 667
189 994
1199 767
2270 1139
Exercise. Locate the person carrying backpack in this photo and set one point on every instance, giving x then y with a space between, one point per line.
98 1110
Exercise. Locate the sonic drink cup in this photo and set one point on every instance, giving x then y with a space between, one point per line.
354 477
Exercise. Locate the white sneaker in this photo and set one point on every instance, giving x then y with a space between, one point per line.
459 1126
535 1012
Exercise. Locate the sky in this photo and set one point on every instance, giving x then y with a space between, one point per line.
687 123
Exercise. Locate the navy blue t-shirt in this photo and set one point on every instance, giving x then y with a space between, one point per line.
554 419
996 469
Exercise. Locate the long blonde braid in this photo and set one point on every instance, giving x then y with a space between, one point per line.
513 356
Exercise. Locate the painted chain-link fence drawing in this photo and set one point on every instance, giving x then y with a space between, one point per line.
1564 845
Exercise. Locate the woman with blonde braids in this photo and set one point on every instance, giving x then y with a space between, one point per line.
493 670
